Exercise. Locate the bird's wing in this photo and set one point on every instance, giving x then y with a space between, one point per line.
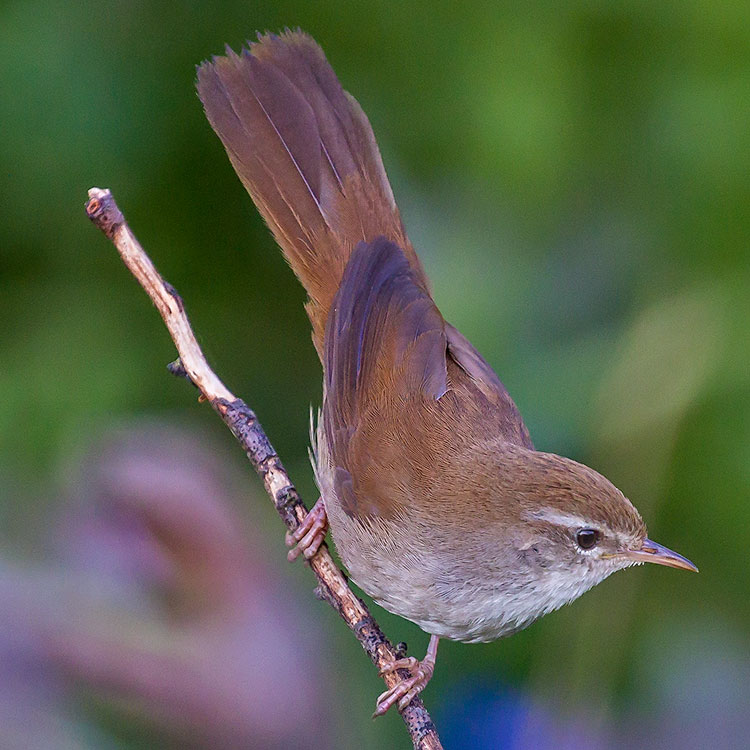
402 387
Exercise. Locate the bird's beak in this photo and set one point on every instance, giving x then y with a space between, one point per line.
654 553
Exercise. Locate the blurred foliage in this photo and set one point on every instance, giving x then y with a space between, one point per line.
576 178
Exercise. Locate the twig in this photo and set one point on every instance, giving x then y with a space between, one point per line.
332 585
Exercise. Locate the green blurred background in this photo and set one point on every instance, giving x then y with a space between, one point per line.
576 178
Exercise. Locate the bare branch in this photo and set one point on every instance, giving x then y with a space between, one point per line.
332 584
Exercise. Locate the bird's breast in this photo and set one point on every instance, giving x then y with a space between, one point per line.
415 568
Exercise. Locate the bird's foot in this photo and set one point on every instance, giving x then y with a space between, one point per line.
404 691
309 535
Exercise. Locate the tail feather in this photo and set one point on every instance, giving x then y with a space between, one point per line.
305 151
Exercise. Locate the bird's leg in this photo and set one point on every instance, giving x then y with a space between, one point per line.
404 691
309 535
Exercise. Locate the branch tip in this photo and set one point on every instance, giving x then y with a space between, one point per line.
103 211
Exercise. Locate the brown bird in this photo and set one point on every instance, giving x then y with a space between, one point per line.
440 508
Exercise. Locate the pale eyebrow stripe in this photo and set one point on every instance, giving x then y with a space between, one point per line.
563 519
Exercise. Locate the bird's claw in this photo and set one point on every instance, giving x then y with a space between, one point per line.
404 691
309 535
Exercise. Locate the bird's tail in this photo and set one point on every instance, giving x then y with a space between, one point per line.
305 151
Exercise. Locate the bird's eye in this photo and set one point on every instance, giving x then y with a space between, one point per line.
587 538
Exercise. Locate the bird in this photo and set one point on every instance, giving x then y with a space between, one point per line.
439 505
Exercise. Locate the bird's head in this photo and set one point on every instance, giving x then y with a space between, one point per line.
583 520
